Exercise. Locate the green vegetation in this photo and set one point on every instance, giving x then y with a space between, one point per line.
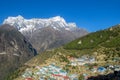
115 42
93 40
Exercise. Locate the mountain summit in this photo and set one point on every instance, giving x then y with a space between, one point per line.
46 33
22 24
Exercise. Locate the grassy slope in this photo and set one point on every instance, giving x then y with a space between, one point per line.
104 37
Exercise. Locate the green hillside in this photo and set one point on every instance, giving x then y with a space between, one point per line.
102 45
107 38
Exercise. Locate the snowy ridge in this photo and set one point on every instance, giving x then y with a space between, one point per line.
23 25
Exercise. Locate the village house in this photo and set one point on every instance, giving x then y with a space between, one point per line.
81 61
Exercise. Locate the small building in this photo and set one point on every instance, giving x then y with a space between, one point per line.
62 72
41 78
101 69
73 64
27 74
80 42
28 79
73 77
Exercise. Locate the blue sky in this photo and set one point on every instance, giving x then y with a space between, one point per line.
92 15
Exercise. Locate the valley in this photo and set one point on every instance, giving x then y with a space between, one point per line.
78 60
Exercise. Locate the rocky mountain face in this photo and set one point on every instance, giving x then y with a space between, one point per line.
14 50
46 33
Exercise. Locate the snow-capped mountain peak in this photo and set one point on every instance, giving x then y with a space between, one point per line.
22 24
57 18
19 17
46 33
10 19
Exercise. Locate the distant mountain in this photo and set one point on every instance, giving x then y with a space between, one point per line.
46 33
14 50
30 25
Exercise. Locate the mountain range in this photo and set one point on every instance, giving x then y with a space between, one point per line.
46 33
